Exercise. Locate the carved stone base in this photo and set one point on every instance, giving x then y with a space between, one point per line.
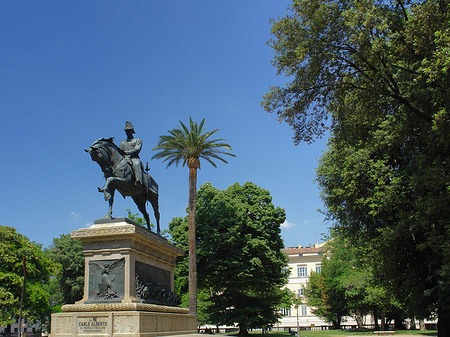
121 324
129 283
124 307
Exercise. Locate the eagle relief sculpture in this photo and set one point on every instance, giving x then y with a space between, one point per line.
106 273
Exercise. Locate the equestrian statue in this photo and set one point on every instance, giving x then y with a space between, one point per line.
124 172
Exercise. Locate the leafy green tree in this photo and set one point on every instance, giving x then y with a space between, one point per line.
393 51
178 229
379 70
14 249
188 145
289 299
364 198
141 221
347 286
137 219
240 256
364 293
241 266
325 294
203 304
68 284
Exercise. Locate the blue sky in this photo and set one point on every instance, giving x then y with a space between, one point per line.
74 71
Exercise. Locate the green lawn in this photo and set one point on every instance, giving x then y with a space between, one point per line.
341 333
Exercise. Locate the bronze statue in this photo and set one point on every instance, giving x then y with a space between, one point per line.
131 148
124 172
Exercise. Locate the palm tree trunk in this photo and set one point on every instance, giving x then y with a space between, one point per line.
192 245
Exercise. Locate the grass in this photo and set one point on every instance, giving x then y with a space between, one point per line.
341 333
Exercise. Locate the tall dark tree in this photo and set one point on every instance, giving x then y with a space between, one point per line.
188 146
379 72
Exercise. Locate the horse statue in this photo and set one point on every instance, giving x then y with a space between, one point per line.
119 176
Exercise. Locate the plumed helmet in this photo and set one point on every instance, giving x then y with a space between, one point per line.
129 126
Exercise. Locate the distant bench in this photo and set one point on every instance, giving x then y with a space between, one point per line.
384 332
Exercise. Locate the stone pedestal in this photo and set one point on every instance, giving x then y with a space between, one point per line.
128 287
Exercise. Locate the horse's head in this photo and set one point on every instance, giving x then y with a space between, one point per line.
100 152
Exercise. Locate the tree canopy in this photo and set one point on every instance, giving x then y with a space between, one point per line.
239 254
393 53
376 74
68 284
15 249
346 286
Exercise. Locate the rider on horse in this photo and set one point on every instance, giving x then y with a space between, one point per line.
131 148
124 172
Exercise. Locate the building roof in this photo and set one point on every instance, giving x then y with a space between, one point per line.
317 248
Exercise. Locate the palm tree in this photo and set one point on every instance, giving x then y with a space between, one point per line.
188 146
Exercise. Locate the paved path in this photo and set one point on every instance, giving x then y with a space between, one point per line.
201 335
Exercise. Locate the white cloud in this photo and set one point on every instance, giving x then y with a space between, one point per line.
286 224
74 216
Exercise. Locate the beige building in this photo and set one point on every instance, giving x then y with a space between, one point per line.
302 262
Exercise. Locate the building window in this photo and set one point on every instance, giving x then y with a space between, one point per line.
301 292
285 312
304 310
302 271
318 269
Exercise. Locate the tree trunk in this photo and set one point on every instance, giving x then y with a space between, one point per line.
192 243
422 325
412 324
375 318
336 323
359 319
443 325
243 330
398 323
383 319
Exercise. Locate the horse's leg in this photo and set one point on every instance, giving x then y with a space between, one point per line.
110 202
106 188
153 198
139 200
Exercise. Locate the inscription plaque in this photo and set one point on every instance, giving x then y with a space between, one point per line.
93 325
